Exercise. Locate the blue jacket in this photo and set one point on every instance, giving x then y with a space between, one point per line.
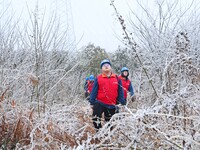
120 98
131 90
85 86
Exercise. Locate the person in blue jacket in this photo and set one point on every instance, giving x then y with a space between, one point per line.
88 87
106 93
126 84
87 79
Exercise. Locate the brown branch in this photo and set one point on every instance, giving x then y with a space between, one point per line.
3 95
132 44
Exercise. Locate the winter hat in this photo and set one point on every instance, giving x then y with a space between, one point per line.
122 72
124 69
87 78
105 61
91 77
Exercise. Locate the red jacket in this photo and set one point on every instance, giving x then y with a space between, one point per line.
107 89
125 84
90 85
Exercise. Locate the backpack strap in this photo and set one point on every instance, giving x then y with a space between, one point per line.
117 77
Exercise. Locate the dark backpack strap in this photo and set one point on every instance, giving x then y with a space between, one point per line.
117 77
117 102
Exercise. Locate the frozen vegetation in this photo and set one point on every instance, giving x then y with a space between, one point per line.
42 104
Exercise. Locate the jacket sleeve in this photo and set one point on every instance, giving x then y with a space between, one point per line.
130 89
120 98
85 86
93 94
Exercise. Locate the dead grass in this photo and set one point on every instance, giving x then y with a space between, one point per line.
21 127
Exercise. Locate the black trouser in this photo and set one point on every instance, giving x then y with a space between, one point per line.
98 110
87 96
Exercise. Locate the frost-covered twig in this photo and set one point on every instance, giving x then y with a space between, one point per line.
131 44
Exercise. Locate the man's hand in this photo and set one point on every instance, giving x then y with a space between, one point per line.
133 98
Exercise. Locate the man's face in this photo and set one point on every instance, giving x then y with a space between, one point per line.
106 67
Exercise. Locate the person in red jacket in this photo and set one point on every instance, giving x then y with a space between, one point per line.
88 87
106 92
126 84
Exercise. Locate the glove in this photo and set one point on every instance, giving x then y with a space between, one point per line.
133 98
116 109
91 106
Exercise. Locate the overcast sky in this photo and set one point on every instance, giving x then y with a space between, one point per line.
95 20
91 20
